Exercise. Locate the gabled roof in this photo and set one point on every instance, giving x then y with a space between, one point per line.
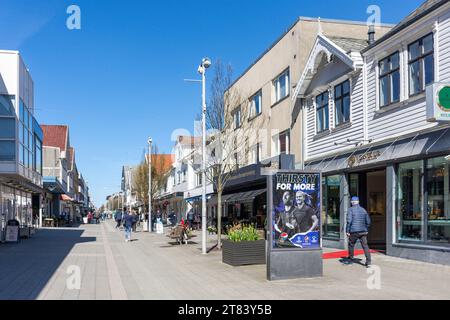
349 44
56 136
424 9
346 50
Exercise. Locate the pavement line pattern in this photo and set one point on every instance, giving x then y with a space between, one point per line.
115 282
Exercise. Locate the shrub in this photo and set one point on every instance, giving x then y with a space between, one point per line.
239 234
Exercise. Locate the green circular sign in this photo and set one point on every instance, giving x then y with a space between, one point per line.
444 98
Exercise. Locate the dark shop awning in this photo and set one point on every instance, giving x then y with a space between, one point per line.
246 196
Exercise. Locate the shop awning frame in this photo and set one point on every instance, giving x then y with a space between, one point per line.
240 197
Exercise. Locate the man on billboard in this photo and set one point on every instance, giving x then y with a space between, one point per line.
285 222
305 215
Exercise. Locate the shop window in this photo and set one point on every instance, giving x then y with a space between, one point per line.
331 214
410 201
438 193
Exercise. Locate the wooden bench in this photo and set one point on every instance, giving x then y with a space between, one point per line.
179 234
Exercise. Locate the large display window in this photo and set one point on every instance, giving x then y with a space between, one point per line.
410 201
331 208
423 202
438 202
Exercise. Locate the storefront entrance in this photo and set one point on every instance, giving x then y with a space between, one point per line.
371 189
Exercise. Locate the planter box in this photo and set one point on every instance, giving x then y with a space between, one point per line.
244 253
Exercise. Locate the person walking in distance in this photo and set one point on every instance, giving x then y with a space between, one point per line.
118 218
358 225
128 221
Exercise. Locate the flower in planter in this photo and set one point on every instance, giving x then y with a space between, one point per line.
240 234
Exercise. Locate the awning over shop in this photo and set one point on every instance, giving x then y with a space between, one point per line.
239 197
53 185
214 200
198 198
246 196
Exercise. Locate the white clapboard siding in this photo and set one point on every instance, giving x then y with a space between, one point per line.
321 146
412 116
444 47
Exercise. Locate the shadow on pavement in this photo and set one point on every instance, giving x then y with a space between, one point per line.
26 268
349 262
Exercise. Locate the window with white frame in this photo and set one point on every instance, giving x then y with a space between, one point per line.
421 64
284 142
281 86
322 112
281 143
256 153
198 179
389 78
237 118
256 105
342 102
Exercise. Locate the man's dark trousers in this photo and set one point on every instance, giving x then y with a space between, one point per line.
361 236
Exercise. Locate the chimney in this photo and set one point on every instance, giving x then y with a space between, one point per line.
371 34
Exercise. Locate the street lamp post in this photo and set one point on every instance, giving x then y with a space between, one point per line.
150 142
206 63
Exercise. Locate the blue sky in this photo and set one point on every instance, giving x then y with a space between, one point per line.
119 79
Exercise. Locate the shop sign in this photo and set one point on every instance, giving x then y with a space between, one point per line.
357 160
295 211
12 234
438 102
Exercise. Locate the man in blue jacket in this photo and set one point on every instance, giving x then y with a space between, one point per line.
128 221
358 225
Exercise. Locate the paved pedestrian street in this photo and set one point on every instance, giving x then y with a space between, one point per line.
45 268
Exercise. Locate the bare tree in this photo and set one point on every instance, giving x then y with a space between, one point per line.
160 171
232 133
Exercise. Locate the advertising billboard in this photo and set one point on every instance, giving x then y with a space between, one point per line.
296 208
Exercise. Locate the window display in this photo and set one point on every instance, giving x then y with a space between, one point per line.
409 201
331 211
438 200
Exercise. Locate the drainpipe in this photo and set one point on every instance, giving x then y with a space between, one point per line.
304 140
